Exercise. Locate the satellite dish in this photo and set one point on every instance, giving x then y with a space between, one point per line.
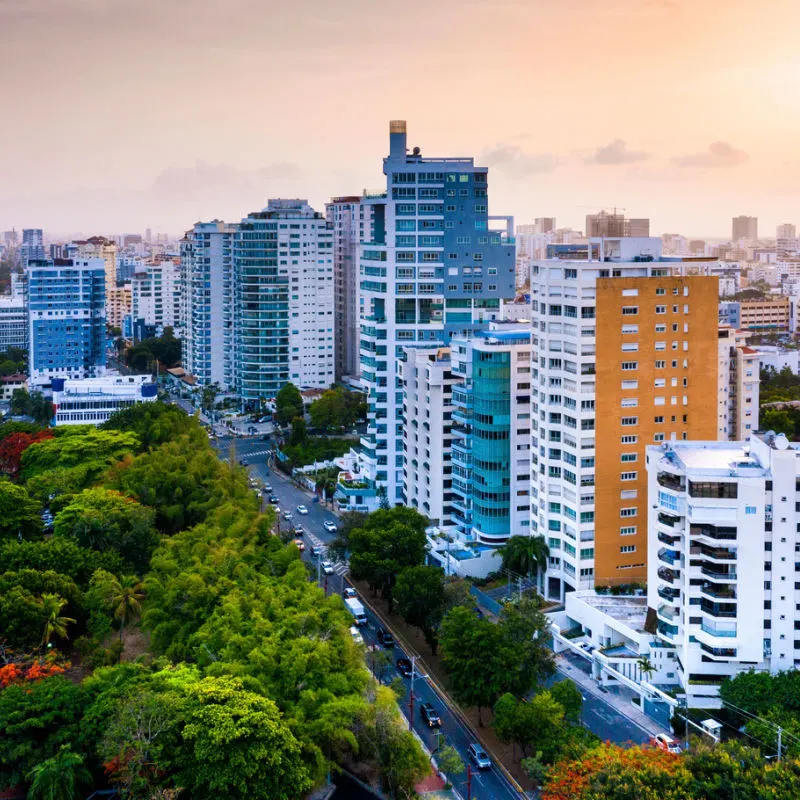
781 442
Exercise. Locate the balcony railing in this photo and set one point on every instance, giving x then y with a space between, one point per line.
668 519
669 575
719 575
670 481
668 593
719 553
668 556
713 630
666 539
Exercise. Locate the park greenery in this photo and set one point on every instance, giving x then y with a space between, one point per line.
777 389
31 404
243 680
155 352
337 410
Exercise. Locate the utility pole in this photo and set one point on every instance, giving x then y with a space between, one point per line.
411 695
780 741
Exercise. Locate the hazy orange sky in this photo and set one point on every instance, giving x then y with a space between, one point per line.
121 114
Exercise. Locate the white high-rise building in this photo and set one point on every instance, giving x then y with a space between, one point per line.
352 223
207 302
156 296
738 385
724 531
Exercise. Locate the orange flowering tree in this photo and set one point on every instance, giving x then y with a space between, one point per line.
610 772
13 446
34 669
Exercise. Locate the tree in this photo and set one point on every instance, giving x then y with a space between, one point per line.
537 723
36 718
337 409
126 600
569 696
449 761
41 408
208 396
19 515
152 423
20 403
288 403
759 692
59 777
13 446
527 555
421 599
55 623
105 519
299 431
348 522
390 540
524 632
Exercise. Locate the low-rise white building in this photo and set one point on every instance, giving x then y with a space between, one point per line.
777 358
737 385
91 401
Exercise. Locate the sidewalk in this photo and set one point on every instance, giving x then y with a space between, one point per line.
620 703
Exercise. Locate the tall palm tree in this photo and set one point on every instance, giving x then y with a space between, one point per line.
527 555
126 600
55 624
58 777
645 666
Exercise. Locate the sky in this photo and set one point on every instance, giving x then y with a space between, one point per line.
125 114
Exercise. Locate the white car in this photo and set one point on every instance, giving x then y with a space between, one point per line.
287 515
664 742
356 634
350 593
302 510
329 526
327 567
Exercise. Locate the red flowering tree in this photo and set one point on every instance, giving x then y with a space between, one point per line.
610 772
13 446
32 670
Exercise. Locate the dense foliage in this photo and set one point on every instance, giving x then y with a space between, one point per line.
288 404
338 409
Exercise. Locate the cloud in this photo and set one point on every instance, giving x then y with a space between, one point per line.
719 155
513 161
616 153
202 178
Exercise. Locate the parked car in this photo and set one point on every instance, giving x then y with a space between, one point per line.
287 515
329 526
428 713
301 545
385 637
477 755
268 488
404 667
350 592
274 500
316 550
302 510
327 567
356 634
665 742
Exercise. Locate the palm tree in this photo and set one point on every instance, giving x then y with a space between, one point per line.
126 600
526 554
645 666
58 777
55 624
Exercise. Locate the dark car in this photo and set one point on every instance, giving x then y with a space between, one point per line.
385 637
404 667
274 500
428 712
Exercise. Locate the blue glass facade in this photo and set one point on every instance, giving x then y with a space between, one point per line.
66 306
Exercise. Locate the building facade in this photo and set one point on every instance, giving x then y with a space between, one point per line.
13 322
738 386
32 247
66 319
723 525
92 401
156 296
283 301
207 302
437 266
621 339
351 222
744 228
118 305
771 314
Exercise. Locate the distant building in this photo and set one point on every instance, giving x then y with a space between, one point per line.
32 248
637 227
14 317
118 305
10 383
91 401
66 319
778 358
616 226
737 385
744 228
156 296
786 231
771 314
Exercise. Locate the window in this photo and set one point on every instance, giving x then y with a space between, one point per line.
661 309
660 291
628 476
629 439
628 548
625 457
630 329
630 402
630 365
630 384
661 364
630 292
750 509
661 328
630 347
628 311
628 512
661 345
628 421
658 420
660 383
709 489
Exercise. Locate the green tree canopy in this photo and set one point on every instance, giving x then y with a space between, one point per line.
337 409
153 423
59 777
421 600
104 519
19 514
288 403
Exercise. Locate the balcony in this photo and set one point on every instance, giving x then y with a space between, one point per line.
668 556
350 486
669 520
725 632
713 532
670 481
667 612
716 553
669 575
718 652
668 593
669 632
719 575
718 592
667 539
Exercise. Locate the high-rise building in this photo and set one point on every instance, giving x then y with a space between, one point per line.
352 223
437 266
118 305
14 316
786 231
283 301
156 296
723 530
637 228
744 228
605 224
623 343
101 247
32 248
207 302
66 318
737 384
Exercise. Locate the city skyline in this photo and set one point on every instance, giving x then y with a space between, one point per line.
136 115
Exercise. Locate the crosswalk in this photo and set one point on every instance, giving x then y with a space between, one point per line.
255 453
339 567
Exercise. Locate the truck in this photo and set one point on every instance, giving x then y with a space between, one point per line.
357 610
